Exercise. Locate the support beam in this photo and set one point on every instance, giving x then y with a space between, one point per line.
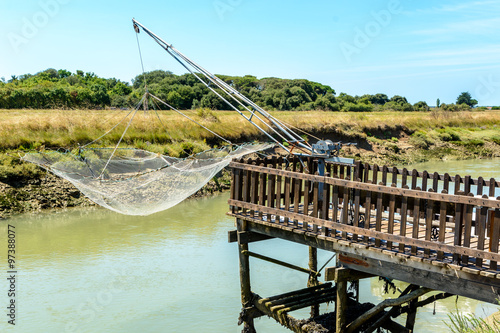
279 262
350 274
246 293
246 237
352 327
341 304
392 265
313 278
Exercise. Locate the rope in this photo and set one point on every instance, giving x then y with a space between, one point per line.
136 28
326 263
194 121
112 128
119 141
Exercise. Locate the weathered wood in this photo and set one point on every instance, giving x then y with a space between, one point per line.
287 195
495 233
481 232
378 218
442 226
341 305
416 219
313 278
391 313
428 223
246 293
279 262
345 211
448 278
411 193
467 228
458 250
347 274
392 206
384 304
246 237
404 215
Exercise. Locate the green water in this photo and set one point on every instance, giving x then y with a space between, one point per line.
92 270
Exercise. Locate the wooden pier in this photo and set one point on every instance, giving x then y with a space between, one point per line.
436 232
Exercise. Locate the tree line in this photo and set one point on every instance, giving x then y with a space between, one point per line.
63 89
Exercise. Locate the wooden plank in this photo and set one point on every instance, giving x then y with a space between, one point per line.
458 228
467 183
375 173
325 208
414 177
368 207
315 203
442 226
481 232
416 222
404 177
467 228
366 169
262 188
458 181
495 233
378 218
404 216
425 177
335 245
246 237
287 196
254 194
377 188
446 183
435 181
394 176
297 189
357 199
448 283
390 227
279 189
428 224
345 211
271 190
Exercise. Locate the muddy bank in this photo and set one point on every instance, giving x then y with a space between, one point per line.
48 192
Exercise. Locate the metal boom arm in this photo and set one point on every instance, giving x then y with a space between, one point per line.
276 130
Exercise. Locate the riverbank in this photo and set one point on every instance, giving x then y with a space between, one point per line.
393 138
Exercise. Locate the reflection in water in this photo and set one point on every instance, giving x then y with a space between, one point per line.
92 270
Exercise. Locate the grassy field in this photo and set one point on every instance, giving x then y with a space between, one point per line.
175 135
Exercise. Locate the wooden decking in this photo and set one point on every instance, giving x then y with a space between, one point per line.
369 220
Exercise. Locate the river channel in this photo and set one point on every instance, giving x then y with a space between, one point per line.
93 270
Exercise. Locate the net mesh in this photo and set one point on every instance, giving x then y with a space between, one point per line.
135 181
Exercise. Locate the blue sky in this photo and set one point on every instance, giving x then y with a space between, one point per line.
423 50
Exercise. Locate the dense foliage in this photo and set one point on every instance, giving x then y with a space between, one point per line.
62 89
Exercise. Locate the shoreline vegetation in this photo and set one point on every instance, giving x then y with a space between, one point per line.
386 137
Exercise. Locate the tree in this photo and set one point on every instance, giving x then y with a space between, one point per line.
399 100
438 103
421 106
466 98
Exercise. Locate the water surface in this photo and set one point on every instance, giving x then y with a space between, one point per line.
93 270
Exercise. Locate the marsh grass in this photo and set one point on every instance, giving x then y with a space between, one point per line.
174 134
462 323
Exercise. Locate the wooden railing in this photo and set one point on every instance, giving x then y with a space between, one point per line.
394 209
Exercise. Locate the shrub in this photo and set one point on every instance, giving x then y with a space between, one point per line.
207 115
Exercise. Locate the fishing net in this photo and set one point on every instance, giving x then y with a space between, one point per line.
135 181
